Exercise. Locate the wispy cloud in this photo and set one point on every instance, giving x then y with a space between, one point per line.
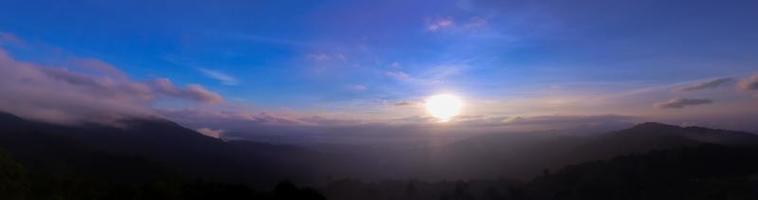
750 83
7 38
357 88
217 133
406 103
193 92
476 22
679 103
266 39
471 24
224 78
707 84
324 57
440 24
398 75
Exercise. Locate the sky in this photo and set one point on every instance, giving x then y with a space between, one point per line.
280 66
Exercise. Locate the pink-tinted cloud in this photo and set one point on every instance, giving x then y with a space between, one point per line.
440 24
64 96
7 38
99 67
193 92
749 84
218 133
199 93
60 96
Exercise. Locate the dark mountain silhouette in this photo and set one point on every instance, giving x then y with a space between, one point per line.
525 155
141 153
706 171
145 159
513 155
656 136
154 140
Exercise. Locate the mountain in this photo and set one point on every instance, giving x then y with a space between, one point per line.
525 155
650 136
510 155
143 159
161 142
166 146
705 171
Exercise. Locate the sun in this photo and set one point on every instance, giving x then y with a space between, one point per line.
444 106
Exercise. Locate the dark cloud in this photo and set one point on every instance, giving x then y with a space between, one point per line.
405 103
89 91
750 83
678 103
707 84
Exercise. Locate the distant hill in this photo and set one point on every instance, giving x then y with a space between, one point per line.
146 159
157 141
650 136
705 171
163 145
525 155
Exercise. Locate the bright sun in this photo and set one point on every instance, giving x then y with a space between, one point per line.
444 106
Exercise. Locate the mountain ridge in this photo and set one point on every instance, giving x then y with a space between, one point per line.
494 155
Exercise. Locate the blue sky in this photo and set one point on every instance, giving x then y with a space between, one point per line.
359 58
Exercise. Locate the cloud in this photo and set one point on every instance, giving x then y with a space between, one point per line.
440 24
547 122
211 133
7 38
398 75
707 84
294 129
678 103
225 79
471 24
231 119
98 67
357 88
475 23
193 92
750 83
405 103
199 93
60 96
324 57
88 90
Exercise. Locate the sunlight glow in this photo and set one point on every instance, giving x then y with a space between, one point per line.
444 106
